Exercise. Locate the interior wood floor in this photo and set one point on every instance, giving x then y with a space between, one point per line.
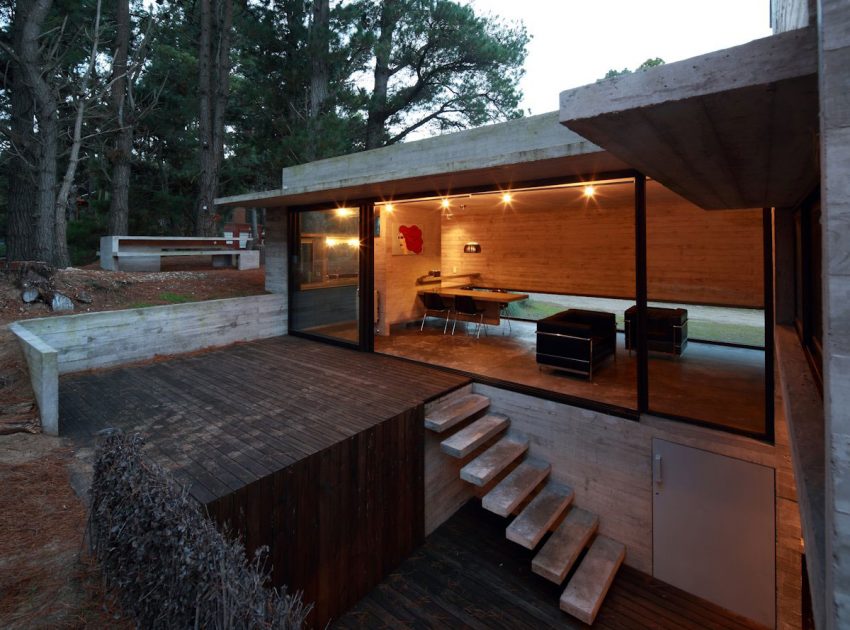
720 385
467 575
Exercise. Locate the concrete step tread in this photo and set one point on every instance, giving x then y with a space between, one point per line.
591 581
484 468
469 438
454 410
534 521
506 496
560 552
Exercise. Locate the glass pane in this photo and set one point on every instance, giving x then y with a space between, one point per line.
325 300
549 272
705 320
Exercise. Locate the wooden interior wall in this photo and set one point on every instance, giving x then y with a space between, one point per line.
339 521
702 256
558 241
395 276
547 241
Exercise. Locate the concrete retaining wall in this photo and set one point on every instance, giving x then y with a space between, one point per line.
58 345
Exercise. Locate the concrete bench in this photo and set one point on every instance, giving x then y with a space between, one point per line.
144 253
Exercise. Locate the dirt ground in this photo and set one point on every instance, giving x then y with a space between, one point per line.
47 579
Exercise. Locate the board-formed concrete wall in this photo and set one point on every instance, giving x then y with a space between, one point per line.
58 345
834 75
607 460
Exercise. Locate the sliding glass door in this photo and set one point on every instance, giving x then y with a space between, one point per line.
326 278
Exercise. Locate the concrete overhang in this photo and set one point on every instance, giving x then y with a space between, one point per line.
736 128
501 155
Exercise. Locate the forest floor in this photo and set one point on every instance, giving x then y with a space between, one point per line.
47 578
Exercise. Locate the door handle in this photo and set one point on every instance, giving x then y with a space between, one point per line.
657 470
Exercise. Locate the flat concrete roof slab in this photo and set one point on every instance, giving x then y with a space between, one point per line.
504 154
736 128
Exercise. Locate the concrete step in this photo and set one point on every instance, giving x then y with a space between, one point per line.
560 552
534 521
470 438
454 410
506 496
484 468
591 581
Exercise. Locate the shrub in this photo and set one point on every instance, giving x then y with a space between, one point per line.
170 565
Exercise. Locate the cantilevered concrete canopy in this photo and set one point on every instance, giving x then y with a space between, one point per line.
504 154
736 128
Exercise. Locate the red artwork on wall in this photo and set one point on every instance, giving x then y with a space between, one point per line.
410 239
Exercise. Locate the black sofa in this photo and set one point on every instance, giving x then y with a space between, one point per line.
576 340
666 329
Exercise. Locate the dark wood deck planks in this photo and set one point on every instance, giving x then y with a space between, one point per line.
314 451
226 418
467 575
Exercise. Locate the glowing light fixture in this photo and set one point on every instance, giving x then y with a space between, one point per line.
507 198
344 212
389 207
445 203
472 248
589 191
332 241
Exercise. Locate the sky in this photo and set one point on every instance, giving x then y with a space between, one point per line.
575 42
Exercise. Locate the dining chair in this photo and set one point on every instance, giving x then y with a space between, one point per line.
466 306
434 307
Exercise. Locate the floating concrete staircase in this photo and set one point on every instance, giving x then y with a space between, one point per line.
514 481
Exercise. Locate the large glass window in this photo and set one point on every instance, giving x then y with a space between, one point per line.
705 318
549 271
326 270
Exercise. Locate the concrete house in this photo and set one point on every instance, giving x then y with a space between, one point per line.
699 211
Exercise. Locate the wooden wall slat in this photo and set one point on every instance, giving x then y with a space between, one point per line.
559 242
340 520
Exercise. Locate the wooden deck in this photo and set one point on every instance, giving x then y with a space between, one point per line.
467 575
223 419
314 451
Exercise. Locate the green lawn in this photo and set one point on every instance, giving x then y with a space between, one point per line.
710 324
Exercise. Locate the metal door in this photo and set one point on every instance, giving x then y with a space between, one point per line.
714 528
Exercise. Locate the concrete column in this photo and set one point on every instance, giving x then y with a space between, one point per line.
277 268
277 255
834 78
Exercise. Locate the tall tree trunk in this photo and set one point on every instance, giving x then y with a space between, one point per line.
377 118
47 125
61 258
213 69
119 204
20 176
319 73
203 205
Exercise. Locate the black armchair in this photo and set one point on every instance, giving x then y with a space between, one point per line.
576 340
666 329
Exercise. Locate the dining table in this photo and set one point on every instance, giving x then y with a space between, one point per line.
491 301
